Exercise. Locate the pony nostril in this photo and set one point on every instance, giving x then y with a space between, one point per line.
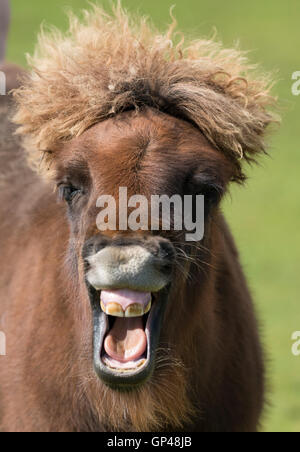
87 265
166 251
92 246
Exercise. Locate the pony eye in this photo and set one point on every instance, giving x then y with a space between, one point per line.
68 192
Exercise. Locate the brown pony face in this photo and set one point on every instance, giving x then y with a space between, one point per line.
129 274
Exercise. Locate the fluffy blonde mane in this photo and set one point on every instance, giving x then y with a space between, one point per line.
106 64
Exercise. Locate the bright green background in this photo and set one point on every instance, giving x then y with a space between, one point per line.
265 216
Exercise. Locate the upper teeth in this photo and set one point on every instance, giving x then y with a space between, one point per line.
133 310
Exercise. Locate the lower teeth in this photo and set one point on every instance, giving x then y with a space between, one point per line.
133 365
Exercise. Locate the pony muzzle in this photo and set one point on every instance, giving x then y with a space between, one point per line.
128 286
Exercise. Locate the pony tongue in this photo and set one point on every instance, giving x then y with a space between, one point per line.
126 341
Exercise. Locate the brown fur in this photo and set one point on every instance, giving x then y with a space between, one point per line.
209 372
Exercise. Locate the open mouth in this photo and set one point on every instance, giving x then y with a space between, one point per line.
127 326
125 343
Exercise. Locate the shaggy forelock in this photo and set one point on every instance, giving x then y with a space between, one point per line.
106 64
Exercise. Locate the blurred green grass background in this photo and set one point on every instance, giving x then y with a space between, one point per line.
265 215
